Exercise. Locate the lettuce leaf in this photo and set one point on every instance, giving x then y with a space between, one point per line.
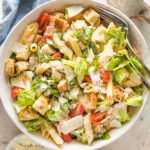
137 64
84 34
120 75
113 63
103 103
138 90
81 66
136 101
25 97
122 113
68 63
123 64
115 33
33 125
55 115
80 135
105 136
123 117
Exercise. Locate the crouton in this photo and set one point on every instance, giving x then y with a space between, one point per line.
92 17
61 24
23 56
41 105
62 85
21 66
41 68
9 67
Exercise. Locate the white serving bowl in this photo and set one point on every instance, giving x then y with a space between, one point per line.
54 5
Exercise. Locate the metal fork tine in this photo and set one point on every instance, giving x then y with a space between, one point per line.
109 14
107 17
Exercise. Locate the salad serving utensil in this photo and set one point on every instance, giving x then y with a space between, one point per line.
107 17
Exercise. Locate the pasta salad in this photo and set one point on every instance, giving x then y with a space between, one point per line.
70 77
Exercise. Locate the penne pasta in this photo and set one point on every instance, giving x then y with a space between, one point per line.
29 34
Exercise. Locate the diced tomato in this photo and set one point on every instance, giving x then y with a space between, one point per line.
78 110
48 36
97 117
14 92
43 39
87 78
105 76
43 21
57 55
66 137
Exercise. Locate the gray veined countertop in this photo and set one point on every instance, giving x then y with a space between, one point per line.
137 138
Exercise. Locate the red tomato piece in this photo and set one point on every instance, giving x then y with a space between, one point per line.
14 92
57 55
97 117
105 76
43 39
43 21
66 137
78 110
87 78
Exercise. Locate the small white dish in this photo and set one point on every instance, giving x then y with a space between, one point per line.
23 142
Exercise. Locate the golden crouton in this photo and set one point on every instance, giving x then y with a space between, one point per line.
21 66
62 85
9 67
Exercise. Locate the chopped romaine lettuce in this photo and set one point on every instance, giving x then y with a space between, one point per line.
80 135
95 64
123 117
55 115
138 90
137 64
103 103
120 75
105 136
84 34
73 94
36 83
13 56
65 104
43 58
81 66
123 52
94 48
135 101
25 97
125 63
33 125
113 63
116 33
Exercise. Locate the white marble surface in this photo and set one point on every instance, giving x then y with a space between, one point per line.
137 138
